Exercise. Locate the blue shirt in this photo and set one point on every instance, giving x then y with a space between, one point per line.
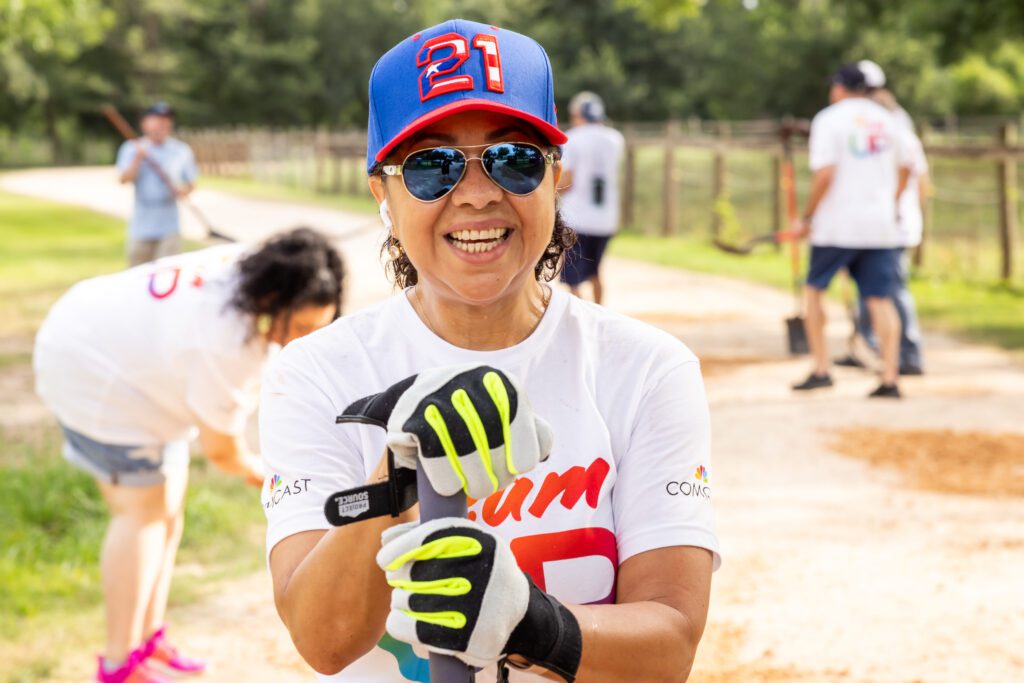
156 212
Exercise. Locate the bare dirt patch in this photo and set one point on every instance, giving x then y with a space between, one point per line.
669 318
942 460
716 366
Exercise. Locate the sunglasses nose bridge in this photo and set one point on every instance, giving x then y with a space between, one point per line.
469 181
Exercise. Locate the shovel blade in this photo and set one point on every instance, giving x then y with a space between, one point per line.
796 336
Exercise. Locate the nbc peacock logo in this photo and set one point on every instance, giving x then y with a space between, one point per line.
278 490
695 486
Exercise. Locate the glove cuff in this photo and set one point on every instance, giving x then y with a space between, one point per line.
548 636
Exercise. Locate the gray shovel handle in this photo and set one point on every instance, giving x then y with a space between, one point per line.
443 668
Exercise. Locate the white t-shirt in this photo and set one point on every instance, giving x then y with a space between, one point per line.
866 145
593 153
911 220
630 469
138 357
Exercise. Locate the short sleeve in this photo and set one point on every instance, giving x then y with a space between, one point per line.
824 145
919 162
307 456
662 493
569 153
125 155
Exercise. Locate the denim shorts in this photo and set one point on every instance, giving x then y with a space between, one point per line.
124 465
876 271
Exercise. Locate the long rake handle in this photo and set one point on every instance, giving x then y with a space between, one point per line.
443 668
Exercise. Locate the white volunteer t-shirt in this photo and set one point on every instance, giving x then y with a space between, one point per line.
137 357
593 154
866 145
911 220
630 469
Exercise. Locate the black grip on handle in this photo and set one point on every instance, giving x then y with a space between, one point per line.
443 668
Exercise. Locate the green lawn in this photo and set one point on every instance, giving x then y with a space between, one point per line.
53 518
247 187
978 310
48 247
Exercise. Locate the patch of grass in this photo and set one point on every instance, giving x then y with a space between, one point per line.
992 313
765 265
48 247
978 310
55 519
249 187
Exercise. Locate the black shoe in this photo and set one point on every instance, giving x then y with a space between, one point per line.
886 391
911 370
850 361
814 381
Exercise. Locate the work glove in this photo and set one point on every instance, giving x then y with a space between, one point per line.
458 591
469 428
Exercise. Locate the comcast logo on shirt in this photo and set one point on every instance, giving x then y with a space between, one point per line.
279 490
694 487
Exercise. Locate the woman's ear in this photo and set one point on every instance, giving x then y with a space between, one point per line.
556 171
376 184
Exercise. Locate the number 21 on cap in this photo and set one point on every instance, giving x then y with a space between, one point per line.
443 55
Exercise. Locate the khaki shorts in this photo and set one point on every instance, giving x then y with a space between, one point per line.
144 251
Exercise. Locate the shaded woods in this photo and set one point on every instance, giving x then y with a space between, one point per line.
306 63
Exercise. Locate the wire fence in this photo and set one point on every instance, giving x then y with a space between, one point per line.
702 179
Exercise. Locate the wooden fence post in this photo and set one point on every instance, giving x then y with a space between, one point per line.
717 190
777 193
629 178
670 200
1008 200
927 206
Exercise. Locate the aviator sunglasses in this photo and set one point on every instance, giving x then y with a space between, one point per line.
429 174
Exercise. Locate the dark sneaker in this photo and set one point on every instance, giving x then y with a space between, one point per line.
885 391
814 381
850 361
911 371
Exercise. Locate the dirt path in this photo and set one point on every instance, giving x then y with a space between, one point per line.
836 568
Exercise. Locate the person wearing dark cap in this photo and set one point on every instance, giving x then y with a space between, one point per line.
590 194
150 162
861 162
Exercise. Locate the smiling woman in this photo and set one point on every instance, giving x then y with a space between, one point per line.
562 422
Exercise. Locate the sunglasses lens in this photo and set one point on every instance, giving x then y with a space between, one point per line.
432 173
518 168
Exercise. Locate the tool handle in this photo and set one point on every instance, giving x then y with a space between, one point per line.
443 668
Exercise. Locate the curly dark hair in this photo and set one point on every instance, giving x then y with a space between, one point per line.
403 273
292 270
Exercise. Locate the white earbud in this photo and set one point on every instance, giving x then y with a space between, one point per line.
385 217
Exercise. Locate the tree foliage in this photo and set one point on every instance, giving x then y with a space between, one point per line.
306 62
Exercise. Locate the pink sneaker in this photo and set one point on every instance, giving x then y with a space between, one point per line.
159 650
132 671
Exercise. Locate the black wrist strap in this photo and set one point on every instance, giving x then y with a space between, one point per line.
548 636
391 497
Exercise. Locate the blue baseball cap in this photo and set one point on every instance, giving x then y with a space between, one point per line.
159 109
453 67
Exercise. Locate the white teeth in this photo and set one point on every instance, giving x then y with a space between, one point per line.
478 235
476 247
